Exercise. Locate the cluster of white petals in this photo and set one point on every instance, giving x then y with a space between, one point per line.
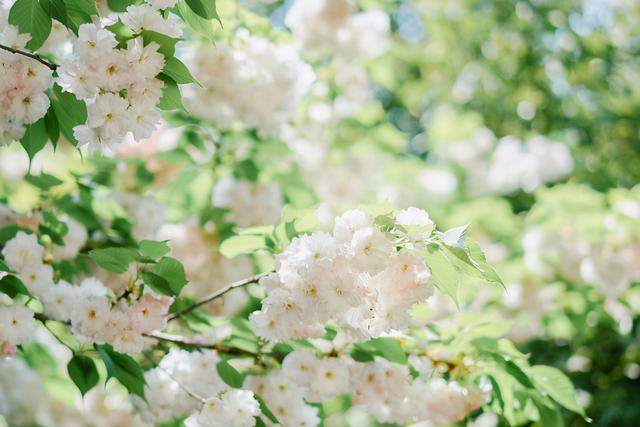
172 387
23 82
382 389
506 165
356 277
91 308
253 81
119 85
336 26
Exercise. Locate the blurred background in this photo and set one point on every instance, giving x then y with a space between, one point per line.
519 118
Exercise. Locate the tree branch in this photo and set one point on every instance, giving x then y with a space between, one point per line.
184 342
30 55
217 294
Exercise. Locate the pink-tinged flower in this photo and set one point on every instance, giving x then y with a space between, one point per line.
9 349
149 313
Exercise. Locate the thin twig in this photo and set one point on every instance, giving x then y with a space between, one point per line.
30 55
217 294
184 342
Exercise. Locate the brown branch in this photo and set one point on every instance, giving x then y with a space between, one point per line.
30 55
184 342
217 294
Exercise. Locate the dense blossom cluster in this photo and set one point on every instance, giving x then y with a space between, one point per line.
119 85
509 164
181 379
23 82
355 277
597 244
95 314
336 26
253 81
381 388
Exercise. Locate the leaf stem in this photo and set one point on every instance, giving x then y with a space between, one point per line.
30 55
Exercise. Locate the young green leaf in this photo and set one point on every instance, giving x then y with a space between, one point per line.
444 274
179 72
236 245
123 368
556 384
153 249
35 138
204 8
83 372
69 112
171 270
115 260
197 23
43 181
229 374
13 286
31 18
171 97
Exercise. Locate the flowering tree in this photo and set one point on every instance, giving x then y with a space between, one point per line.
211 258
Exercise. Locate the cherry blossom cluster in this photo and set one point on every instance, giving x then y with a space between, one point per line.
600 246
119 85
254 81
23 82
187 382
337 27
92 309
241 197
506 165
381 388
358 277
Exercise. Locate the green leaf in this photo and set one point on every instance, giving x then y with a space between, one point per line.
69 112
171 97
57 10
32 19
204 8
13 286
43 181
4 267
153 249
265 410
119 5
179 72
244 244
246 169
229 374
197 23
123 368
157 283
488 271
35 138
115 260
550 415
171 270
9 232
386 347
83 372
51 125
444 274
556 384
167 44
